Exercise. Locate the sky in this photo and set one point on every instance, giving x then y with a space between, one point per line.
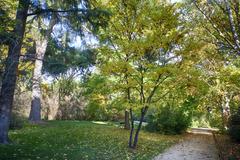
175 1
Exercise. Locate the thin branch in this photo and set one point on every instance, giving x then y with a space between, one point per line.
212 23
50 10
158 82
233 28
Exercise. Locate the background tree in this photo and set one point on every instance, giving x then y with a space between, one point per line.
41 45
222 19
77 16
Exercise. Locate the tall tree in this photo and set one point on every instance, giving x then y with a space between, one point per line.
11 66
76 16
41 45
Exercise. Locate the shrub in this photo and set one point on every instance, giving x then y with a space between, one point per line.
95 111
169 121
234 127
17 121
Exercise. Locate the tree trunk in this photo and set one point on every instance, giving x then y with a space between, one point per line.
233 28
132 129
126 123
225 111
41 46
35 113
143 112
10 73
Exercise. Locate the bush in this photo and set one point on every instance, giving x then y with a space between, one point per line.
169 121
234 127
17 121
95 111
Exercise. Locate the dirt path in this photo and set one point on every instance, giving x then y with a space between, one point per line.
193 147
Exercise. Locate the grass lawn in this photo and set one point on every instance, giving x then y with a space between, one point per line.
81 140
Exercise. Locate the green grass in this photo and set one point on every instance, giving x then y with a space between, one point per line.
81 140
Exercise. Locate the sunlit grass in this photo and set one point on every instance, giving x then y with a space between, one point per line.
99 122
81 140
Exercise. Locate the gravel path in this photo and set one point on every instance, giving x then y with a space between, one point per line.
193 147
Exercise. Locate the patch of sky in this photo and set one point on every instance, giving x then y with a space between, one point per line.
174 1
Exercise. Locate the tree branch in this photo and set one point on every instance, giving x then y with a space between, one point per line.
50 10
233 28
158 82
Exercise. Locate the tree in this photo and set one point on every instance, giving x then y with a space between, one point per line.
74 18
222 19
41 43
10 72
139 54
